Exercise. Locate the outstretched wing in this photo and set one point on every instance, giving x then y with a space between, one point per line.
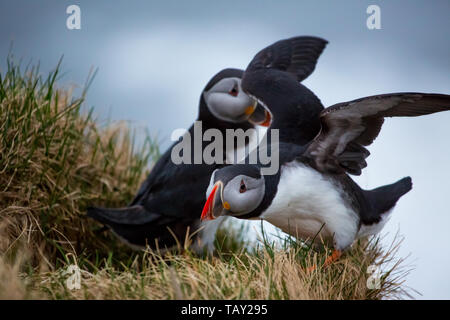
297 56
357 123
272 78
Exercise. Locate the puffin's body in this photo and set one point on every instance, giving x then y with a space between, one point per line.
310 205
312 196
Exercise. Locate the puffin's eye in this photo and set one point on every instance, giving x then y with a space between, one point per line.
242 188
234 92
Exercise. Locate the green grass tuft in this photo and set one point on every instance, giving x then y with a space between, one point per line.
55 161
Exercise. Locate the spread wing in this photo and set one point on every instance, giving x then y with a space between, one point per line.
297 56
272 78
357 123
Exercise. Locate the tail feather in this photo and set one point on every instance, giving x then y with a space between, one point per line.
384 198
381 202
138 227
135 215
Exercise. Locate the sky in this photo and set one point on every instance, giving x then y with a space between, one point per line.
155 57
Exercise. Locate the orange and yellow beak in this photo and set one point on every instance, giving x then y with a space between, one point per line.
267 120
250 109
260 116
214 205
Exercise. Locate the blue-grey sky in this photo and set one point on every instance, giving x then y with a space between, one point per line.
154 58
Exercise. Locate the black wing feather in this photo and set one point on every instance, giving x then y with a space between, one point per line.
297 56
273 76
359 122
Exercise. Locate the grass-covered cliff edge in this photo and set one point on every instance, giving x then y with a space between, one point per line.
55 160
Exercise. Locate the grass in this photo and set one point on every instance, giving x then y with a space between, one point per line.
56 160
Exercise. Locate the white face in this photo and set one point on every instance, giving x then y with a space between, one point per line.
228 102
243 194
240 195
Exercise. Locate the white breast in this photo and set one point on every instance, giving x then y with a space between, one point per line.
307 205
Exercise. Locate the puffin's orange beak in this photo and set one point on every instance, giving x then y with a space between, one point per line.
267 120
250 110
215 206
207 212
260 117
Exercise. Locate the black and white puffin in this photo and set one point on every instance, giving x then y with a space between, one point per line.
166 206
312 196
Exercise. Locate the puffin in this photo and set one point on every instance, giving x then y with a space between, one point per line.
312 196
164 211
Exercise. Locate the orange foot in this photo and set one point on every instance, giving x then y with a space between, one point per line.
311 269
335 255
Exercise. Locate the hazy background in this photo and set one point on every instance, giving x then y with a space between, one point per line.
154 59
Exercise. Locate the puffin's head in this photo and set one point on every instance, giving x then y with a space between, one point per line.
233 191
227 101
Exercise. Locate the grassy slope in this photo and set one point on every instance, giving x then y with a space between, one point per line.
56 160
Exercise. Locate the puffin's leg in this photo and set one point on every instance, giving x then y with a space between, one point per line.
311 269
335 255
